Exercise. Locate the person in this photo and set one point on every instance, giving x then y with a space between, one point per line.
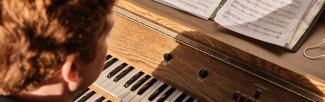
50 49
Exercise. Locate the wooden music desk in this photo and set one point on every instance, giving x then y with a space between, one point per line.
199 45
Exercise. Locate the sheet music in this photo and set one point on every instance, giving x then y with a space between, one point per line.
201 8
272 21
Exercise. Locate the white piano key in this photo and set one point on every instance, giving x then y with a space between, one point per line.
132 94
110 84
169 99
138 98
99 99
79 99
102 77
93 98
120 85
106 100
110 59
128 97
187 97
163 92
82 95
109 81
176 96
110 65
123 93
127 90
145 99
105 83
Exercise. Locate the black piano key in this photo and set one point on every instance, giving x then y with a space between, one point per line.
146 86
87 96
122 74
109 63
140 82
108 101
166 95
157 92
100 99
116 70
80 93
134 78
108 57
191 99
181 97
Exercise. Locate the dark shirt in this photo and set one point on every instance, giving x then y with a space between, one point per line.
8 99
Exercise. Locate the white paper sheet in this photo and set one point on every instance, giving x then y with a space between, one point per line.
200 8
272 21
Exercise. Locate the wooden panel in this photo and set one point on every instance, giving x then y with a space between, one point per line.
290 66
144 49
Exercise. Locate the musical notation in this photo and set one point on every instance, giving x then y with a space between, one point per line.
268 20
251 26
201 8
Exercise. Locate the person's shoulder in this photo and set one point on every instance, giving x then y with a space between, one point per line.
8 99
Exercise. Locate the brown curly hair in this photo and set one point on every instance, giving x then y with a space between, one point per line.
37 35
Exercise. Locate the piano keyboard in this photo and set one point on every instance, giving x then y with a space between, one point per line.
131 85
89 96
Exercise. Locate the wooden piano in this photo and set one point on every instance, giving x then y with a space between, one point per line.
184 58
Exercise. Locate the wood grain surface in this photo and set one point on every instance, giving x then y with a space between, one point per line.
144 48
290 66
103 93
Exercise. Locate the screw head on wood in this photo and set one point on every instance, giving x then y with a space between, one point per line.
203 73
168 57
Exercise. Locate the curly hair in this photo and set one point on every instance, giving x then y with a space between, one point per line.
37 35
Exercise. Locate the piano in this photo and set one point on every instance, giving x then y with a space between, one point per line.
160 54
128 84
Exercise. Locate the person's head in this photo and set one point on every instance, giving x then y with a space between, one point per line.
52 41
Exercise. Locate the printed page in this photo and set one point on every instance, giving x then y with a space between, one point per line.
200 8
271 21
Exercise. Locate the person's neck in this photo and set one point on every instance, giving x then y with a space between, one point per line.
48 93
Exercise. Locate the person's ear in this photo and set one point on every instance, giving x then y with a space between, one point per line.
70 71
